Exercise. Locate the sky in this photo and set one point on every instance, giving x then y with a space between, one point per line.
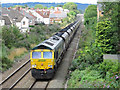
57 1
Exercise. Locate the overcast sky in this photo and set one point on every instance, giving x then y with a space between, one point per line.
57 1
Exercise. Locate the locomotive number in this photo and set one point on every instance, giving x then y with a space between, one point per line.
41 60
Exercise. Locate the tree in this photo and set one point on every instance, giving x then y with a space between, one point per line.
11 36
70 6
71 13
59 6
91 11
26 5
111 11
38 6
90 14
51 7
104 36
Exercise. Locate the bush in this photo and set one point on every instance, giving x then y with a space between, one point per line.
106 38
88 56
108 66
85 79
6 63
11 36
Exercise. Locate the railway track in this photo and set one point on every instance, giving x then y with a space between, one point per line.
16 76
21 78
40 84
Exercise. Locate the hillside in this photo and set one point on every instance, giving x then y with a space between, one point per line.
32 4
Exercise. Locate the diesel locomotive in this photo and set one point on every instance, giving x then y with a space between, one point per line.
46 56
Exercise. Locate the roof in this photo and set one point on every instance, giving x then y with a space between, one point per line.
58 14
50 43
13 14
7 20
26 14
44 14
30 13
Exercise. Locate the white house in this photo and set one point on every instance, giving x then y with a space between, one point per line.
17 19
2 22
23 24
39 18
44 16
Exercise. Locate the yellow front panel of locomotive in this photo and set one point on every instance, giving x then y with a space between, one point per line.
42 63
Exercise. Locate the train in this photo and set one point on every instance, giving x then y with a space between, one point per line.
46 56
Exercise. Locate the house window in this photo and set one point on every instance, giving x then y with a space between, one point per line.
23 22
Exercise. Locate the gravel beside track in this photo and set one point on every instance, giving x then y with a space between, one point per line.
10 82
15 66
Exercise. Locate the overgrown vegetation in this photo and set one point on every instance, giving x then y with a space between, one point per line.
72 7
15 43
88 69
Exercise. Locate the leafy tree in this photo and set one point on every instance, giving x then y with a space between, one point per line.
51 7
11 36
45 7
71 13
70 6
26 5
105 37
90 12
59 6
111 11
38 6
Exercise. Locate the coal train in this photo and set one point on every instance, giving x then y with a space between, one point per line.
46 56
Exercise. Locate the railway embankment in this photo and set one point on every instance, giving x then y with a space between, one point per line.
93 66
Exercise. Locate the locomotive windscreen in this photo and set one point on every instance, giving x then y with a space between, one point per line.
47 55
36 55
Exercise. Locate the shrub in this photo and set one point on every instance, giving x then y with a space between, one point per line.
88 56
106 38
6 63
108 66
85 79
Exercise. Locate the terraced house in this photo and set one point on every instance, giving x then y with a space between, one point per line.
57 15
16 18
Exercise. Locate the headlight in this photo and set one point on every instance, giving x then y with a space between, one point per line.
33 66
50 66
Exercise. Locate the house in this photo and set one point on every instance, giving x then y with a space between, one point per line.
35 14
57 16
35 18
31 18
16 18
24 13
44 16
58 9
2 21
6 20
100 12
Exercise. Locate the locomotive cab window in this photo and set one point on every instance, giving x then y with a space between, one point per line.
47 55
36 55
